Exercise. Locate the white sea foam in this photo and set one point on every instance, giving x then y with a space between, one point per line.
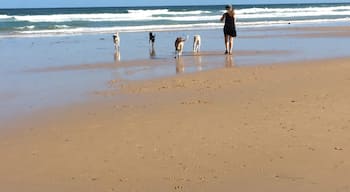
165 14
61 26
149 12
292 14
190 18
30 27
72 17
5 17
293 10
83 30
283 22
256 13
109 17
132 15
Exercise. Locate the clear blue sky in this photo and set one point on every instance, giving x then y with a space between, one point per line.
117 3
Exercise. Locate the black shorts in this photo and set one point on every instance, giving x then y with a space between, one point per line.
231 31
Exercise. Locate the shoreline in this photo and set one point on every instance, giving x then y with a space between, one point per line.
317 27
279 127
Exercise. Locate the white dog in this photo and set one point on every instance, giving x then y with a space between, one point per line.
179 46
116 41
196 43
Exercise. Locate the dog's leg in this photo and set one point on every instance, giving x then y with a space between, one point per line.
181 48
194 45
117 47
176 54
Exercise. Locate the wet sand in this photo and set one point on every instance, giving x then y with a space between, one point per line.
147 63
258 128
62 70
307 32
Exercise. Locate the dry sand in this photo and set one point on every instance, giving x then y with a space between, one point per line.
261 128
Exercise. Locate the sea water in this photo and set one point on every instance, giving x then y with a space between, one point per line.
53 21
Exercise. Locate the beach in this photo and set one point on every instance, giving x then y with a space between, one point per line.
258 128
77 116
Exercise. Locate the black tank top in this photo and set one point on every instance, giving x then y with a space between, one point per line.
229 20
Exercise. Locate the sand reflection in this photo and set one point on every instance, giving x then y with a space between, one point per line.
198 62
152 52
117 56
229 61
180 66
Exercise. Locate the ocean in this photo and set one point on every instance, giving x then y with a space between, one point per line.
66 21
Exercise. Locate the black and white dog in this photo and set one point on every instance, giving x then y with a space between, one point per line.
152 38
179 46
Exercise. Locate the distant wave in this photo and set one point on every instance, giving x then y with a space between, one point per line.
198 15
252 13
166 12
284 22
288 10
5 17
83 30
132 15
109 17
31 27
61 26
25 27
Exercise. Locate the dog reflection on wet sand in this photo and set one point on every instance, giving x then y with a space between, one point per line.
198 62
180 66
152 53
117 56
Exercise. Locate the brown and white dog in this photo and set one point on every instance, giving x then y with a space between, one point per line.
179 46
196 43
116 41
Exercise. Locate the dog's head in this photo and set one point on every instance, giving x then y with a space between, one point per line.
152 36
116 36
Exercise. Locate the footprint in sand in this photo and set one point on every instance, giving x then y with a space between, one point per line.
194 102
178 188
338 149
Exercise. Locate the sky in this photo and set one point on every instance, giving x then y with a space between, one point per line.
120 3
